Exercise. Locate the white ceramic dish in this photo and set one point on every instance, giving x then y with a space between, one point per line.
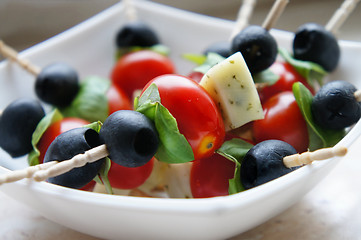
89 48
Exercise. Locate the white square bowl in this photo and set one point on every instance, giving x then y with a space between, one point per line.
90 48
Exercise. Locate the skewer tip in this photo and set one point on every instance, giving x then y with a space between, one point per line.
305 158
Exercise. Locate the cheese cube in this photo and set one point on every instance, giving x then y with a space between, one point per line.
231 86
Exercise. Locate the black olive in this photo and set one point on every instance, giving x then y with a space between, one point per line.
66 146
57 84
264 162
258 47
335 107
136 34
130 137
221 48
314 43
17 125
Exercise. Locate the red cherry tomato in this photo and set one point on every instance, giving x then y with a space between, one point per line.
117 100
129 178
283 121
89 187
135 69
198 117
55 130
287 77
196 76
210 176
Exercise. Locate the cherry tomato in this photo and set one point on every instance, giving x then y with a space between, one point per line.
117 100
196 76
89 187
198 117
210 176
56 129
135 69
287 77
283 121
129 178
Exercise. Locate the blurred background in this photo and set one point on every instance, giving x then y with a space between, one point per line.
24 23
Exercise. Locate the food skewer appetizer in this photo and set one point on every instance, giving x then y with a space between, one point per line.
140 55
271 159
318 44
223 48
113 106
291 71
56 84
243 17
257 45
76 141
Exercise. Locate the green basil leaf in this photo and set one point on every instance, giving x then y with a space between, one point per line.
211 60
174 147
198 59
161 49
319 137
235 150
102 176
235 183
147 102
310 71
91 102
266 76
95 126
150 95
236 147
43 125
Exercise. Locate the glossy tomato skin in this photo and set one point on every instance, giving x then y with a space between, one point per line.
198 117
287 77
196 76
55 130
129 178
89 187
117 100
134 70
283 121
210 176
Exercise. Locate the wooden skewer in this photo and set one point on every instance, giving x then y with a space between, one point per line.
79 160
50 169
244 15
276 11
13 55
130 11
340 16
44 171
357 95
14 176
260 86
308 157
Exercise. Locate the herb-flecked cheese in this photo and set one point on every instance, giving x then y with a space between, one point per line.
231 86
